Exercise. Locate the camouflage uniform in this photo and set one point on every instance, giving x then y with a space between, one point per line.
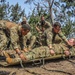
44 52
18 40
29 40
6 29
42 28
45 26
57 40
37 53
3 38
15 36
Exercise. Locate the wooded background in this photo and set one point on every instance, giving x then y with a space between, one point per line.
62 11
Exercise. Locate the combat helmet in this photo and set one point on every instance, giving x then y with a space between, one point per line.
24 19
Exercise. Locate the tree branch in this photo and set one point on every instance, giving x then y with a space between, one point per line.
52 3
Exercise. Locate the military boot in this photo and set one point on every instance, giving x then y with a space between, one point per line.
8 59
11 61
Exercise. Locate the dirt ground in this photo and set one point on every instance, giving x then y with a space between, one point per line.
51 67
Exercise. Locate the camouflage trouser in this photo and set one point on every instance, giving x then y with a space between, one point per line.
59 48
44 51
39 52
28 43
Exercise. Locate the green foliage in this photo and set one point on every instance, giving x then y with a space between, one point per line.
4 9
13 12
41 5
35 18
62 10
69 28
33 21
16 13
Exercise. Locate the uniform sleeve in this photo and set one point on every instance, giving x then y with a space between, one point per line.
49 25
24 42
49 38
62 36
25 38
3 39
29 35
14 37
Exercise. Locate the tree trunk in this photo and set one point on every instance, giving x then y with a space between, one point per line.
50 11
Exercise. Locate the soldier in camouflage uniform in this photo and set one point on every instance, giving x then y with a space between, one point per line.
29 39
53 39
6 25
39 53
24 21
41 27
17 34
3 38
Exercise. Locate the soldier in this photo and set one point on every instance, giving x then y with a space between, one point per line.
3 38
24 21
37 53
29 41
72 47
54 37
29 38
6 25
17 34
42 25
72 41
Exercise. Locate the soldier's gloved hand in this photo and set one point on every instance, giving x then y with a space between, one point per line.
52 52
22 57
